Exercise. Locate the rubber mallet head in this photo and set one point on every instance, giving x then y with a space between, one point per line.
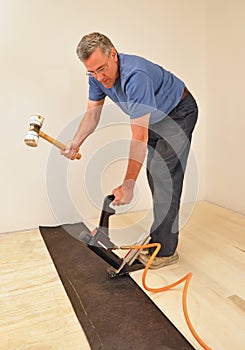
32 136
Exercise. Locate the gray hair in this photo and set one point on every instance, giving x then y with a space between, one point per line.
89 44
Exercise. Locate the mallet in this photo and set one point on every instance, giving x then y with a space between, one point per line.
32 136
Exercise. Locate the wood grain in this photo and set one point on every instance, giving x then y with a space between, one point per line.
35 312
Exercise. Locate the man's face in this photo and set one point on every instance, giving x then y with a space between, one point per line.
102 67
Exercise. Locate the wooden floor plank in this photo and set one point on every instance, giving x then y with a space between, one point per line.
35 312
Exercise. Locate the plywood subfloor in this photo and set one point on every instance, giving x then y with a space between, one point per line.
35 312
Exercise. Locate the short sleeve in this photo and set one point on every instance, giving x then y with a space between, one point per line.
95 93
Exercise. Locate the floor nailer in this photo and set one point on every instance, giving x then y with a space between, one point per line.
99 242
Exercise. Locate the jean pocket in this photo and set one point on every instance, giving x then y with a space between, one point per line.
186 107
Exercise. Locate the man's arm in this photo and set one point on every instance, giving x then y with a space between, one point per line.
87 126
139 127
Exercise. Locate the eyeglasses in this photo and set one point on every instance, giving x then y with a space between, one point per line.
102 69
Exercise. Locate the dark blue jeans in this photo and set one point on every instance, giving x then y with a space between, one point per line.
168 148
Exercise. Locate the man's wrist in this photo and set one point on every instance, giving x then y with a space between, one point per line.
129 183
77 141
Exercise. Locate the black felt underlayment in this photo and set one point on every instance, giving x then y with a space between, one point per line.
114 313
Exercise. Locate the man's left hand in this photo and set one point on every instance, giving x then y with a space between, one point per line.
124 193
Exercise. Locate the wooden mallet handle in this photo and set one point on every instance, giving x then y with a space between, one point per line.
55 142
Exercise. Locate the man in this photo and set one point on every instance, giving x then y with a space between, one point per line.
162 115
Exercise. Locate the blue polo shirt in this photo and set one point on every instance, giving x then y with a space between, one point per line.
142 87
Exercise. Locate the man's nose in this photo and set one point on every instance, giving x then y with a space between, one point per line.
100 77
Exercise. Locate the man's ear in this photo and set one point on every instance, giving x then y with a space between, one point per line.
114 54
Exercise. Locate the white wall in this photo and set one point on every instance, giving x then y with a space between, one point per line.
40 73
226 117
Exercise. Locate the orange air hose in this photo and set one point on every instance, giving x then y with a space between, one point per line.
185 279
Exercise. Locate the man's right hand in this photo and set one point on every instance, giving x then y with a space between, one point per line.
71 150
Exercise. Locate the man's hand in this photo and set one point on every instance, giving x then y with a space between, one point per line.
124 193
71 150
87 126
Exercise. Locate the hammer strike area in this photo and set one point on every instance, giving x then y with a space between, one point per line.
100 243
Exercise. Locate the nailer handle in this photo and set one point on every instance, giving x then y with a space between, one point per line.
107 211
55 142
